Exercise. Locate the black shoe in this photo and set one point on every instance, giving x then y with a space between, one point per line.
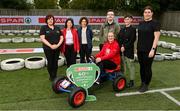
144 88
130 84
51 79
142 84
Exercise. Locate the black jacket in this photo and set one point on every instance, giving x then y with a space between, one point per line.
126 38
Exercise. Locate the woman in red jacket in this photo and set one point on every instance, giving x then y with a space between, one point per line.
108 58
71 43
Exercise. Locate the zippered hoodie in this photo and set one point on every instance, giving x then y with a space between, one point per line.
110 51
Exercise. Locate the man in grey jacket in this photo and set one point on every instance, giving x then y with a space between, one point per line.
109 26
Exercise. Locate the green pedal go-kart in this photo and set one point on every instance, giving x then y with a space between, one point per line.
80 77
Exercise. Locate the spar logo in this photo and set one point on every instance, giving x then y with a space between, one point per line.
11 20
97 20
59 20
78 69
28 20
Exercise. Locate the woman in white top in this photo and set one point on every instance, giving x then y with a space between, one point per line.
85 39
71 43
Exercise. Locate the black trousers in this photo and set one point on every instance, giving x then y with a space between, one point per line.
52 59
145 67
70 55
84 52
106 64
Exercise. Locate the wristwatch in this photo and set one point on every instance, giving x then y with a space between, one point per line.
153 48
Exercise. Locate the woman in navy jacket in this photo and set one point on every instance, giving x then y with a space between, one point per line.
85 39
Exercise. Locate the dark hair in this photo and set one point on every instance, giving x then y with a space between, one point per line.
83 18
149 8
72 21
48 17
110 10
128 16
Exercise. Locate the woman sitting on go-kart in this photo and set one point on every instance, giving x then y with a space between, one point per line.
108 59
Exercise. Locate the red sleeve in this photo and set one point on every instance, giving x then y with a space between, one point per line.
112 53
102 52
77 41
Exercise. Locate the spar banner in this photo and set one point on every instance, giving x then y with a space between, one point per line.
60 20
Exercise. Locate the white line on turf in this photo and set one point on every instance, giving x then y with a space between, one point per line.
162 91
170 97
150 91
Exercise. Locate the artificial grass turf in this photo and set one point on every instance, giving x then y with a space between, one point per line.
142 102
31 90
170 39
24 36
95 43
175 94
24 56
20 45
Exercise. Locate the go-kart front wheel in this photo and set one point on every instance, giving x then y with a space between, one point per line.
77 97
56 85
119 83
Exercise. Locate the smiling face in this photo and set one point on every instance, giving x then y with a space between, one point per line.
84 23
147 14
111 37
110 16
127 21
50 21
69 24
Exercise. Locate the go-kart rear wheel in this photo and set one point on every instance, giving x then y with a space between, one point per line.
56 84
77 97
119 83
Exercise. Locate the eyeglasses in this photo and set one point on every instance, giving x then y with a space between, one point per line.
110 14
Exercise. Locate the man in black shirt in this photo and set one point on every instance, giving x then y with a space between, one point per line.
126 39
148 36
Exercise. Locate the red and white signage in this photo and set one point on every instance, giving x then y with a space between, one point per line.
21 50
29 50
12 20
136 20
60 20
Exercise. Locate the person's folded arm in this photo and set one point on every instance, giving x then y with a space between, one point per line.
44 41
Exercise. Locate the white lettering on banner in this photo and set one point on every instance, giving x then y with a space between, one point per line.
97 20
12 20
60 20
